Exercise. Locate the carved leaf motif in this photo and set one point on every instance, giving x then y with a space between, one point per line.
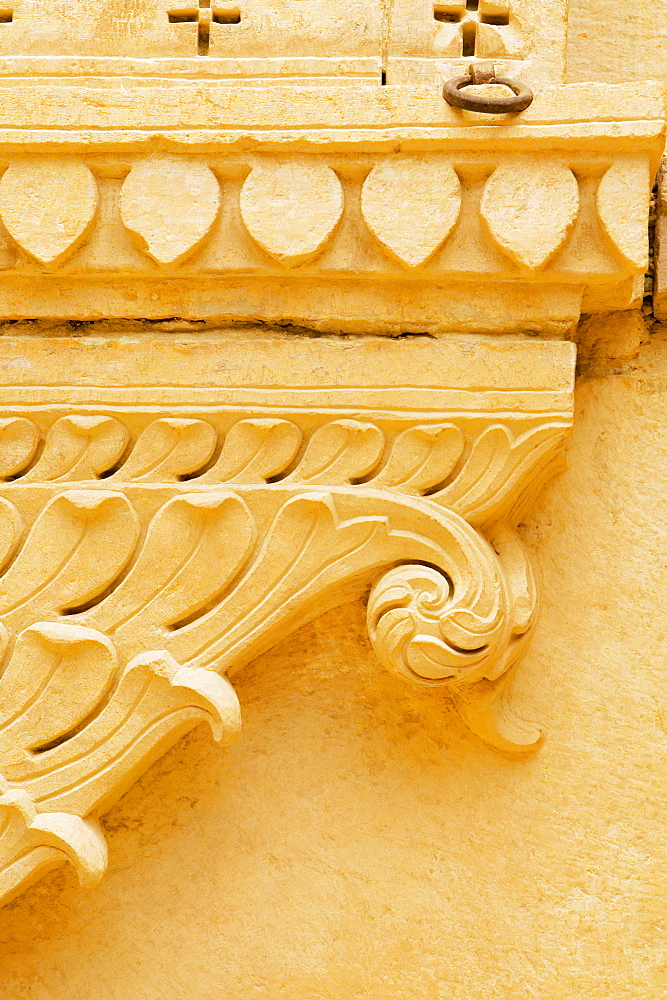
77 547
57 675
297 547
320 550
48 205
291 209
195 545
340 451
169 449
32 842
155 702
498 467
530 209
411 205
80 448
255 450
214 584
169 205
11 528
422 457
623 204
80 840
18 443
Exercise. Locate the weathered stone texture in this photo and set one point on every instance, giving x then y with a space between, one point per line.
615 42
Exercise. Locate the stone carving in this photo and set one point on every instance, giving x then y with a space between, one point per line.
411 204
146 554
48 205
321 240
291 209
513 207
255 38
169 205
432 42
485 28
623 200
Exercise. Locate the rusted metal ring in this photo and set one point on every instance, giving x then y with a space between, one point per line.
523 96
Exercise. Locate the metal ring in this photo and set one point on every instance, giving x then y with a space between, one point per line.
523 96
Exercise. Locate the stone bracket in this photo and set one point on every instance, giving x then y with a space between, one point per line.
171 509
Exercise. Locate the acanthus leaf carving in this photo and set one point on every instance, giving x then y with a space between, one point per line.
150 554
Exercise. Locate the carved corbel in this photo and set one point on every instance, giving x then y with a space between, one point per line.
155 538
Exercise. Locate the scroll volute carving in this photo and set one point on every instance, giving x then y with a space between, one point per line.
164 552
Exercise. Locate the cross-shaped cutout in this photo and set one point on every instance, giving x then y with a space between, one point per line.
204 15
470 14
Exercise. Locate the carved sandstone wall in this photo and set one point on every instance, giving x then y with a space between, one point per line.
357 841
180 502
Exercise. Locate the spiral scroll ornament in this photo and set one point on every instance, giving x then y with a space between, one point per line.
423 632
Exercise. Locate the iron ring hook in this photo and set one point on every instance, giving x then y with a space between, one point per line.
523 95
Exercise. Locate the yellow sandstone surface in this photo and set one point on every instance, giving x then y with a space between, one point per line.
357 841
332 502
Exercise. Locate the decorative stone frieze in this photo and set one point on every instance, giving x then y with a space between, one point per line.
378 211
170 509
413 42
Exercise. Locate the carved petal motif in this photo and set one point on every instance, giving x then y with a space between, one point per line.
170 448
411 205
340 452
169 205
623 203
422 457
255 450
292 209
48 205
18 443
530 209
80 448
57 674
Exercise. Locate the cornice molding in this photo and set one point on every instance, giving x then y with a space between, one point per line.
170 509
369 210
